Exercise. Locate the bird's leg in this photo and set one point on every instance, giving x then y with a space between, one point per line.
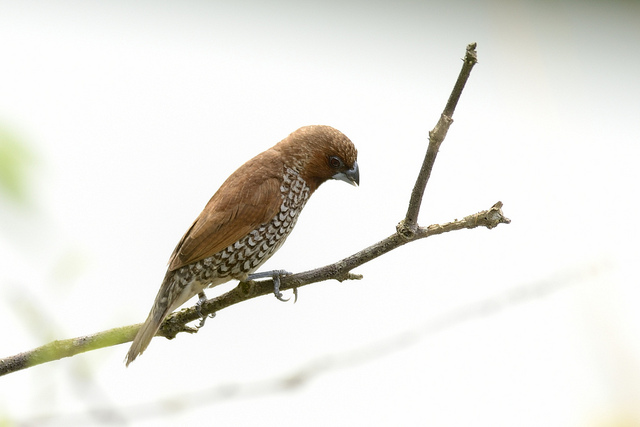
276 288
275 276
202 298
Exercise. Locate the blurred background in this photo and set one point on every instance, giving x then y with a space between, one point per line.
119 120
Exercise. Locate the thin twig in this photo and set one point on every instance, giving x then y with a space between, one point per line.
408 226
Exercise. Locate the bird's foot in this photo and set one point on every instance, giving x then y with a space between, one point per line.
275 275
202 298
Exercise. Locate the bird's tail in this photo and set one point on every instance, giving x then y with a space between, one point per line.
162 306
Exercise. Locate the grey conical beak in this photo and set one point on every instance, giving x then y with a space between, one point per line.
351 176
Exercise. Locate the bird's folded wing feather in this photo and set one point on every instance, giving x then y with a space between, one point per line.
234 211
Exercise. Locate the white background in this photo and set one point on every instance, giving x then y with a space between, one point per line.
135 112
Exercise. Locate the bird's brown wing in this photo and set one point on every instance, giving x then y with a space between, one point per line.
239 207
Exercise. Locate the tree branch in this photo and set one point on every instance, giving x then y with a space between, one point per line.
311 369
407 231
407 227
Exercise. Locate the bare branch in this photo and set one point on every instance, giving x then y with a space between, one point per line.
409 225
305 373
65 348
178 322
337 271
407 231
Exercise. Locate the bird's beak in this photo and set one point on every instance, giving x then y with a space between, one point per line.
352 176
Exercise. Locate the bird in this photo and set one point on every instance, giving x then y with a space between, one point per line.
248 219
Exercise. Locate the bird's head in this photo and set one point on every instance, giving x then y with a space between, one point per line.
321 153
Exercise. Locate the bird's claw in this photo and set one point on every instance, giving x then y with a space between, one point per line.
275 275
276 289
202 298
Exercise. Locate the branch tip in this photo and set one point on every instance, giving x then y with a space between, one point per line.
496 217
349 276
471 57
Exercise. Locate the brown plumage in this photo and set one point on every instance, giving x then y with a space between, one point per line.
249 218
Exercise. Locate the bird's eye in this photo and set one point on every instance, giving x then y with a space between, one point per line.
335 162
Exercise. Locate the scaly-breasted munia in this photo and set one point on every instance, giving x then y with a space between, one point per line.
249 218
